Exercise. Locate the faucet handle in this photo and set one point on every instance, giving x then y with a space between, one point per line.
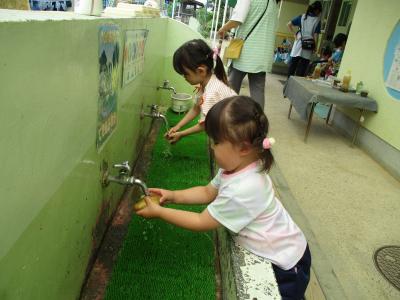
124 167
153 107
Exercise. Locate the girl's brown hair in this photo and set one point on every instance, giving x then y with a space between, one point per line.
240 119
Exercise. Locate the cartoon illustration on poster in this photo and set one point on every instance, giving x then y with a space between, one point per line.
135 42
393 79
391 63
108 82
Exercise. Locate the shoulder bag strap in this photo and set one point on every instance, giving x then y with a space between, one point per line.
301 26
257 22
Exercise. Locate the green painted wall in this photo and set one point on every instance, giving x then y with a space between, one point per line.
289 10
53 209
364 56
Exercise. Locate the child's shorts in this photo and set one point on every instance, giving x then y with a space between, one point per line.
292 283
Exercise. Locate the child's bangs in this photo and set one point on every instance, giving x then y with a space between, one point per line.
181 60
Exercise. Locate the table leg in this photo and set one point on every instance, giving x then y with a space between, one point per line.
329 114
290 110
357 127
309 121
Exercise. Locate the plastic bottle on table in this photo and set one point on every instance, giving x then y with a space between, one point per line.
359 87
317 71
346 81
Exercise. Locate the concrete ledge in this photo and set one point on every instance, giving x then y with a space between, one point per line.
386 155
244 275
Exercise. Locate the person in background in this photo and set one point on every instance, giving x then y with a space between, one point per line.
258 50
333 64
241 196
323 60
309 25
195 61
340 43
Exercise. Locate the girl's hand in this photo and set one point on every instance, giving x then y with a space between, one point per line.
171 130
221 32
152 209
174 137
166 196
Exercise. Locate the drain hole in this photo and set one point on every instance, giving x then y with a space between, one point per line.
387 261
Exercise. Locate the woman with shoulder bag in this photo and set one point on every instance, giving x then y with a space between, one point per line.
256 21
305 38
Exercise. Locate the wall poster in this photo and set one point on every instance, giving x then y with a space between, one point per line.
391 63
393 79
108 82
133 63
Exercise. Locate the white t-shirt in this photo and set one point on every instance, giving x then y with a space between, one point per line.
240 11
214 91
247 206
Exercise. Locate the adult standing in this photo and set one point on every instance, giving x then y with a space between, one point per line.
257 53
309 25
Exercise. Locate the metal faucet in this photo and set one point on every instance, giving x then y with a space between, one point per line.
123 177
166 86
155 114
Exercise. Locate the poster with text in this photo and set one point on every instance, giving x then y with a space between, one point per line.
133 64
393 79
108 82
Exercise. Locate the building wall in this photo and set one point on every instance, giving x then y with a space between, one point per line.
53 209
364 56
345 29
289 10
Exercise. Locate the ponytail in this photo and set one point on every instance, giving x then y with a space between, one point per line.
313 8
262 142
219 70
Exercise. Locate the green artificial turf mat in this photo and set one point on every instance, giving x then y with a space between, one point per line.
158 260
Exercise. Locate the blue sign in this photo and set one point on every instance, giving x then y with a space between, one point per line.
391 67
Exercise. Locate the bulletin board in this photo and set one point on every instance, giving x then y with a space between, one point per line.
391 68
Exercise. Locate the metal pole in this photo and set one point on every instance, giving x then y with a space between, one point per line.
212 24
216 22
205 14
173 9
225 8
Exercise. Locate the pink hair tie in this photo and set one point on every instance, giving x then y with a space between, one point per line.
268 142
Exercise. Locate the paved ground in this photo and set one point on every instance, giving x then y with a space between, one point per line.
348 203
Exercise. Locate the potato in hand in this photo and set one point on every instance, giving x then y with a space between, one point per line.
142 203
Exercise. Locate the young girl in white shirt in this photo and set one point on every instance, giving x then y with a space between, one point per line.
241 196
195 61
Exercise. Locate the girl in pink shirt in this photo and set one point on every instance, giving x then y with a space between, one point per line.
195 61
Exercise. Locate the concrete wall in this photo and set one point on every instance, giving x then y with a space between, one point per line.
53 210
364 56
